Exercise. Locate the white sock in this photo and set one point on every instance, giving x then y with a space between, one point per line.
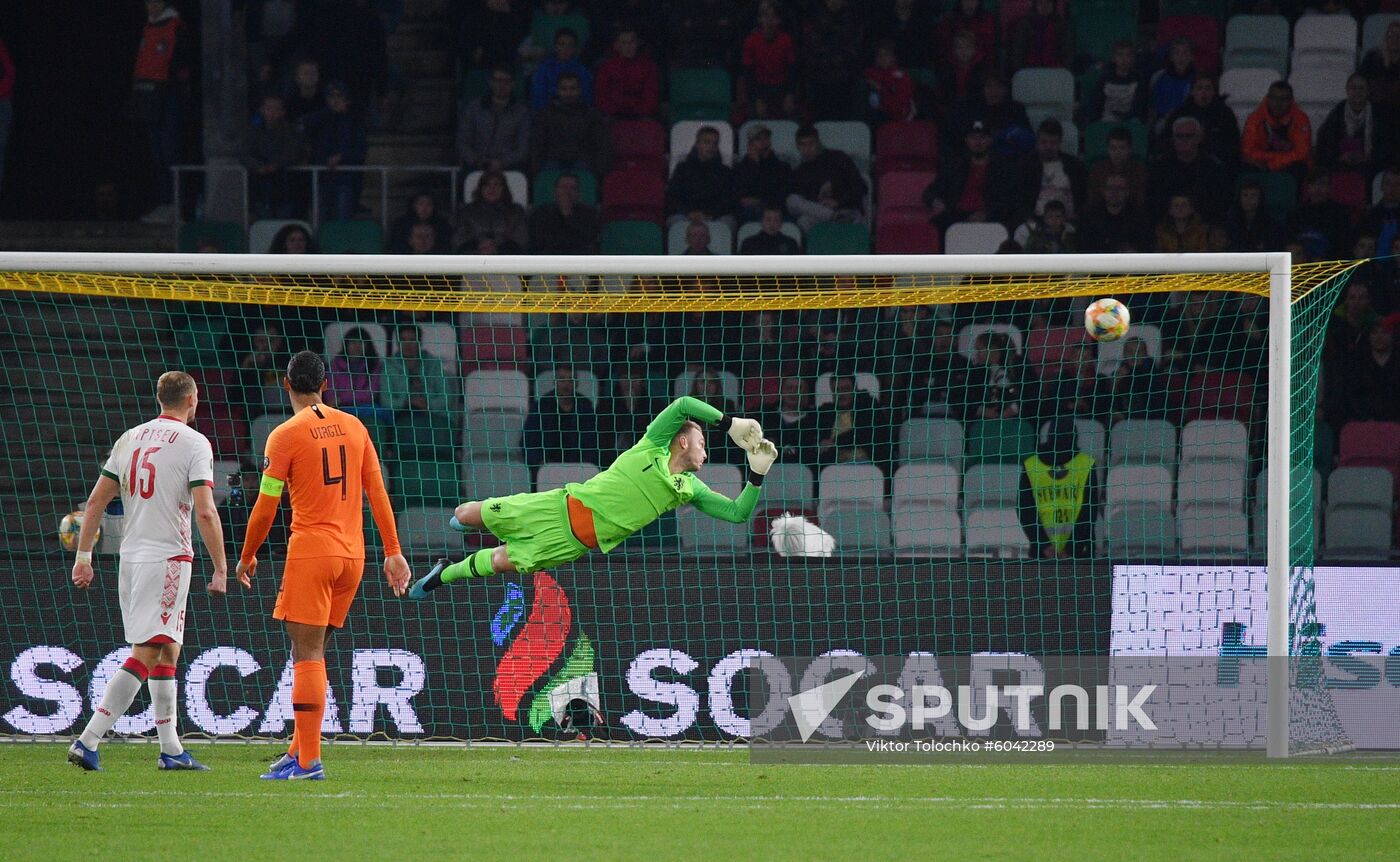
162 686
121 691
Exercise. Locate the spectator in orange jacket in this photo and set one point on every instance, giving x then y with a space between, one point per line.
1278 135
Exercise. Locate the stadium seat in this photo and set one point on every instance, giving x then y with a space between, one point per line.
1256 42
543 28
927 484
974 238
585 384
999 440
1349 190
721 240
683 139
498 389
639 145
1373 29
861 484
784 138
423 532
865 382
1097 24
1316 89
1208 532
903 188
333 337
425 437
1045 93
516 183
631 237
493 435
906 238
1358 534
1324 41
227 432
931 440
262 232
261 428
1143 441
1324 447
1151 483
789 485
494 479
634 195
700 94
851 137
906 146
832 238
699 531
1360 488
428 483
728 382
1371 444
1138 531
967 336
1244 89
1111 352
995 533
226 235
488 347
1280 190
1092 440
1214 442
992 486
856 528
1204 33
550 477
1096 139
753 228
1260 531
920 532
224 471
1218 485
544 187
1219 395
353 236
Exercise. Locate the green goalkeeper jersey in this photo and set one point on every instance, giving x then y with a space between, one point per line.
639 487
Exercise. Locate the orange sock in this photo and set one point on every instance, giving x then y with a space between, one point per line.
308 708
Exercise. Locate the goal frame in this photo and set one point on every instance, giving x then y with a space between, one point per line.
1277 265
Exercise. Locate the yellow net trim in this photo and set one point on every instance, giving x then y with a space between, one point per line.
627 293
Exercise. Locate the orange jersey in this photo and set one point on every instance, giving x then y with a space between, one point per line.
327 462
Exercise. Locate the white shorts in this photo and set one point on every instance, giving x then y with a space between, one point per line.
153 599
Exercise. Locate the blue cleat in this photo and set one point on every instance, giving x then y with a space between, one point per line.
81 755
295 772
429 582
184 761
279 766
456 524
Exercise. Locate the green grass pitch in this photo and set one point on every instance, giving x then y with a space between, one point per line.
654 803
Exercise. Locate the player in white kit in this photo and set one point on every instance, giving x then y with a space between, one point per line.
163 469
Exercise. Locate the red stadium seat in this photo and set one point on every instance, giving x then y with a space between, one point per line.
1349 189
634 195
906 239
906 146
903 188
639 145
1371 444
1046 347
1204 33
494 347
220 416
902 215
1219 395
762 391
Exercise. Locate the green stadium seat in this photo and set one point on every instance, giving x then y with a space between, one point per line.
632 237
428 483
355 236
227 235
1096 139
700 94
1280 191
422 534
425 437
1003 441
543 28
833 238
1097 24
1257 42
201 337
544 187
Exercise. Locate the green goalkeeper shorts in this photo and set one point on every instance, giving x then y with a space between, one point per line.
535 528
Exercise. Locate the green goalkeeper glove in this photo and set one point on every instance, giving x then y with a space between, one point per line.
747 433
762 456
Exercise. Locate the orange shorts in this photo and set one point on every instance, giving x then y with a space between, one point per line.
318 592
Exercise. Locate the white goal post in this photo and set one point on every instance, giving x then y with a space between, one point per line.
1277 265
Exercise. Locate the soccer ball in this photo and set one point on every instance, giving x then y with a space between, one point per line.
1106 320
68 531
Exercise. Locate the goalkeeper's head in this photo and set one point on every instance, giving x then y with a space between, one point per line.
306 374
688 448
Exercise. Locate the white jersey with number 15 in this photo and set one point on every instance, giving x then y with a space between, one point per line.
157 464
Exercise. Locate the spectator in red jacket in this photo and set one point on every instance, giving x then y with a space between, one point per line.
628 83
1278 135
768 59
891 89
160 89
7 86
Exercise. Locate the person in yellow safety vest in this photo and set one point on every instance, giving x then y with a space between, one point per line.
1059 495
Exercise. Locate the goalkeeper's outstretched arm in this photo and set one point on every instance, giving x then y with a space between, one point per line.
663 429
738 510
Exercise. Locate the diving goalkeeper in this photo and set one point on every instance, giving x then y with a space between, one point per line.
549 528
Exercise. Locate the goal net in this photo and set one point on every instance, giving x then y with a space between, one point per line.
968 471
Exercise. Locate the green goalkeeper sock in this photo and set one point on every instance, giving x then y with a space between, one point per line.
478 565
